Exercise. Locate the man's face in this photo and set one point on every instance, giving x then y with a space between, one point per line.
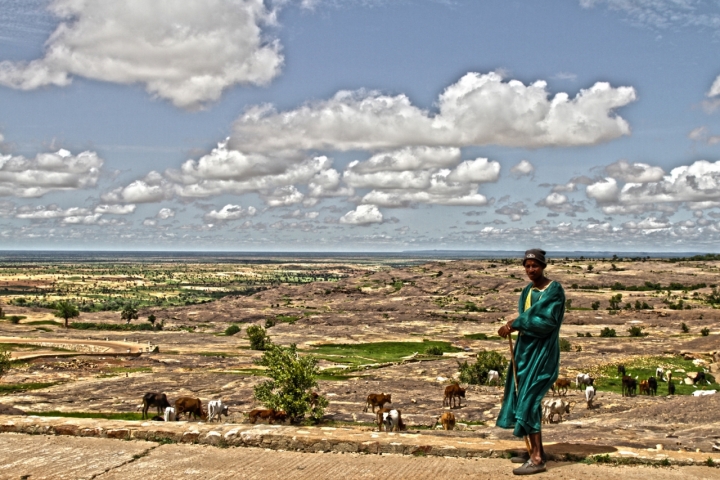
533 269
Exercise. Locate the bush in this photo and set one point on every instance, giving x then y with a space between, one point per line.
607 332
5 362
565 345
684 327
15 319
270 322
434 350
595 305
231 330
705 332
588 334
258 337
292 379
477 373
580 334
110 326
636 331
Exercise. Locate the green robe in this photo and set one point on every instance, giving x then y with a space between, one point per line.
537 353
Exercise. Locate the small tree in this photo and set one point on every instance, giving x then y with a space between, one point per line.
5 362
66 310
568 304
129 312
595 305
231 330
565 345
615 302
608 332
705 332
590 268
292 379
477 373
151 319
684 327
636 331
258 337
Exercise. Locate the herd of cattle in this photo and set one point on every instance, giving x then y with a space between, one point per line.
391 419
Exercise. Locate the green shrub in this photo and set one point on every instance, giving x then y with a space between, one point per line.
595 305
434 350
588 334
705 332
292 378
608 332
15 319
565 345
270 322
232 330
110 326
684 327
636 331
477 373
580 334
5 362
258 337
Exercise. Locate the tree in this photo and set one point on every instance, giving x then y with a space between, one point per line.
151 319
231 330
292 379
5 362
129 312
66 310
595 305
477 373
615 302
258 338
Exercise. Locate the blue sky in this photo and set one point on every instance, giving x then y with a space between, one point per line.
360 125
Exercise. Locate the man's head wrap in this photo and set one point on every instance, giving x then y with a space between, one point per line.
535 254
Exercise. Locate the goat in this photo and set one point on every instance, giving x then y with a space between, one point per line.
671 387
621 370
451 392
589 395
377 400
216 407
700 377
653 384
554 407
668 376
583 379
190 406
561 385
393 420
493 377
629 386
169 415
267 414
659 373
644 387
158 400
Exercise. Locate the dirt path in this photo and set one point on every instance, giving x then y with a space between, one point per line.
78 347
39 457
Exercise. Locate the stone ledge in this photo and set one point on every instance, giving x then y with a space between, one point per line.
331 439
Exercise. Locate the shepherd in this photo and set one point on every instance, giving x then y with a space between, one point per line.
535 360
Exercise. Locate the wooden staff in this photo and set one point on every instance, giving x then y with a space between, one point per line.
514 365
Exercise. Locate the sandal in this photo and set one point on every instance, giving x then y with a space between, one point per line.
529 468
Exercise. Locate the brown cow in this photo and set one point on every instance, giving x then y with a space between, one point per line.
379 417
561 386
447 420
377 400
269 415
191 406
452 391
158 400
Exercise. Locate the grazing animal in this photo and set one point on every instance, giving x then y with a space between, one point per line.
700 377
629 386
668 376
621 370
313 399
671 387
493 377
451 392
157 418
392 421
644 387
269 415
377 400
554 407
169 415
589 395
561 386
659 373
158 400
216 407
583 379
379 417
190 406
652 383
702 393
447 419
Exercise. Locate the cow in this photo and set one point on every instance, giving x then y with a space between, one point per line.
644 387
659 371
451 392
392 420
700 377
621 370
629 386
554 407
190 406
671 387
270 415
668 376
447 419
561 386
158 400
216 408
583 379
653 384
379 417
493 377
589 395
377 400
169 415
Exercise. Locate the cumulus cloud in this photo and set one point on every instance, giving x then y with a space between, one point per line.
479 109
229 212
522 169
165 213
701 134
559 203
153 188
115 209
73 215
187 52
362 215
635 173
47 172
663 13
515 211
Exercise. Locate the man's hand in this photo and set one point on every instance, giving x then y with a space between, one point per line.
506 330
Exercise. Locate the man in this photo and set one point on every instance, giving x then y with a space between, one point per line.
537 359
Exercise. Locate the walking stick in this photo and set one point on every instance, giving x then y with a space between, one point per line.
512 358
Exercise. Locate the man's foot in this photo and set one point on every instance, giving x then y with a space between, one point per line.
529 468
525 456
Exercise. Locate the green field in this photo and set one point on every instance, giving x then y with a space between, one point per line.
8 388
357 355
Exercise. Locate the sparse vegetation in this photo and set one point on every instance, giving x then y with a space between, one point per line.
66 310
477 373
258 337
684 327
705 332
565 345
5 362
608 332
232 330
636 331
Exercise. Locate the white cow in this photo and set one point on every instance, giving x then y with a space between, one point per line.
589 395
702 393
493 377
170 415
392 421
216 407
554 407
583 379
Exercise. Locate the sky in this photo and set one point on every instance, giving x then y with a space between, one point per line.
360 125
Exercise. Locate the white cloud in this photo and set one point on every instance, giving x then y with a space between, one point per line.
362 215
715 88
165 213
229 212
479 109
650 224
47 172
635 173
604 191
283 196
701 134
663 13
82 219
187 52
51 212
116 209
523 168
153 188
